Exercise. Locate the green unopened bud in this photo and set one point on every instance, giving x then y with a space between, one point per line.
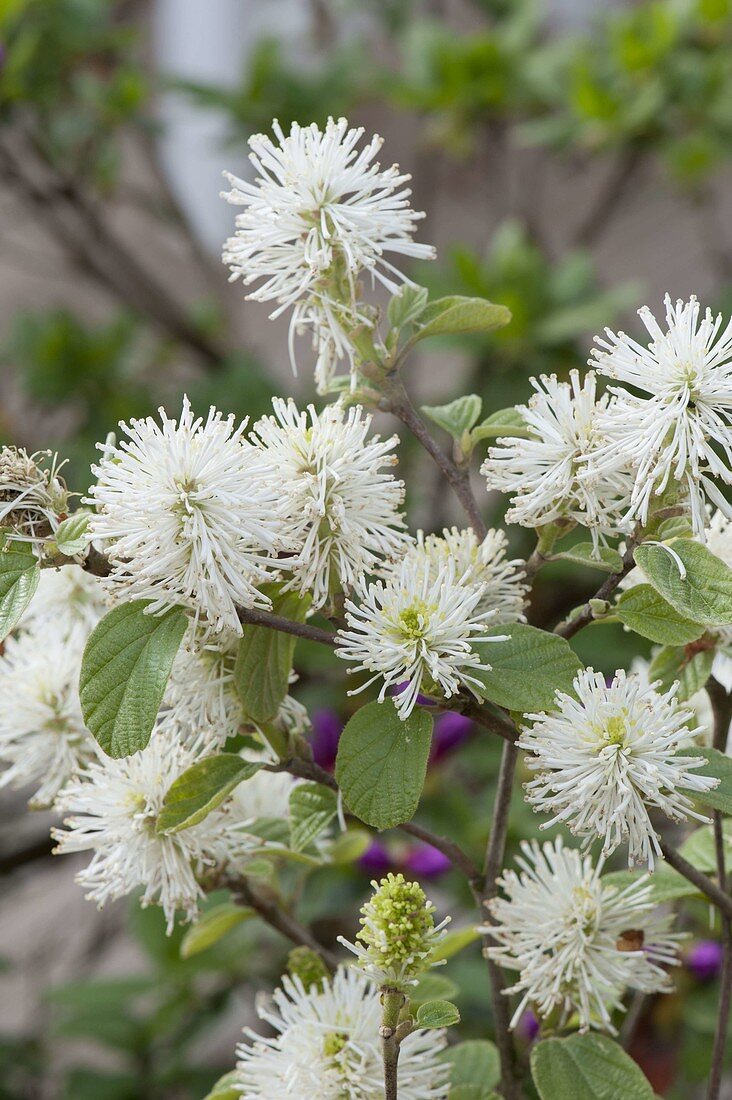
398 933
307 965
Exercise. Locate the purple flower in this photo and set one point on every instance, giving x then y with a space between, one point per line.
528 1026
450 731
426 862
376 859
327 729
704 959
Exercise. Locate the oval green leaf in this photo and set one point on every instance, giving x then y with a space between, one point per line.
201 788
124 670
72 536
704 594
475 1064
457 417
434 1014
643 610
586 1067
457 315
312 808
382 763
212 926
691 670
527 669
264 660
501 424
19 575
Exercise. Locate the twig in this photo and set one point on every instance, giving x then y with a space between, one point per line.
79 226
703 884
399 404
308 769
574 623
493 861
609 197
633 1018
280 920
392 1002
721 705
254 617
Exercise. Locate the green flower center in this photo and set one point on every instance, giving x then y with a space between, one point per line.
616 731
413 621
333 1043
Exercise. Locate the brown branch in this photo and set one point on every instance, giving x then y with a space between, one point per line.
495 853
576 622
79 226
609 198
308 769
252 616
398 403
721 705
276 917
703 884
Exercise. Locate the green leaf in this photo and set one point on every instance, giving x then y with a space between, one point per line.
458 417
668 885
475 1064
437 1014
73 535
586 1067
312 808
224 1089
699 849
527 669
675 527
692 670
704 595
646 612
454 942
432 987
349 846
201 788
501 424
382 763
212 926
264 660
583 553
457 315
19 575
406 305
469 1092
124 670
719 767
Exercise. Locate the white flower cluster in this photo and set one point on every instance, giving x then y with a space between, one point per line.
608 755
481 564
326 1045
190 514
341 505
417 628
113 807
577 941
603 462
319 213
551 474
43 737
680 426
196 514
113 804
